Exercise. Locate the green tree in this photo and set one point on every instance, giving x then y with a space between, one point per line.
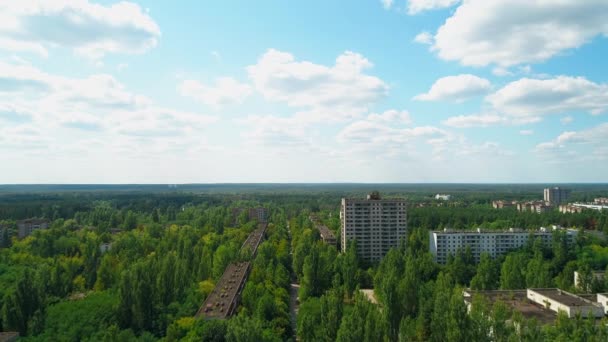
488 274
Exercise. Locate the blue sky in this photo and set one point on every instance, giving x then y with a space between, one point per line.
308 91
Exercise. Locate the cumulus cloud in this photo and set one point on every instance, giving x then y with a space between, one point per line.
424 38
279 77
225 91
391 116
49 104
417 6
91 30
510 32
587 144
487 119
534 97
456 88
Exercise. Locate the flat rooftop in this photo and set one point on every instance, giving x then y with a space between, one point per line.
563 297
516 300
325 232
254 239
222 301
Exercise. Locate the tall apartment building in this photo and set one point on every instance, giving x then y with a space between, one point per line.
556 195
495 243
376 224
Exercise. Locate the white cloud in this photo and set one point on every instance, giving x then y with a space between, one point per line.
501 71
417 6
533 97
91 30
387 4
279 77
424 38
391 116
456 88
51 105
481 120
526 132
589 144
225 91
510 32
487 119
566 120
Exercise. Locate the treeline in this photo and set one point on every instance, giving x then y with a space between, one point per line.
465 217
59 284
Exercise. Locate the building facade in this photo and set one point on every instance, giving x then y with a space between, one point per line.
556 195
26 227
443 197
260 214
447 242
376 224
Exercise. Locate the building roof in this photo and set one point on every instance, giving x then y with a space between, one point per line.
254 239
222 301
518 301
325 232
563 297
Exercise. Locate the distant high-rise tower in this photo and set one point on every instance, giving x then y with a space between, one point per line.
556 195
376 224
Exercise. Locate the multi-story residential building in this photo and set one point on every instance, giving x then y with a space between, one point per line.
495 243
260 214
535 207
568 208
26 227
601 200
556 195
376 224
443 197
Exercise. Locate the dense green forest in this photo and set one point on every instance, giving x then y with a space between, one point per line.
166 250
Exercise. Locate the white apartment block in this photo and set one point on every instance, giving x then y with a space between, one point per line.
495 243
376 224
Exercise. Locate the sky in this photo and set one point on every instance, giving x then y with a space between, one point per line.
375 91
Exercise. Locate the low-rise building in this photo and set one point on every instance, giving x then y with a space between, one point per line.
598 207
543 304
558 300
443 197
503 204
449 242
601 200
26 227
516 301
602 299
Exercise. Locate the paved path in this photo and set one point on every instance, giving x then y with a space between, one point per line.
293 306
